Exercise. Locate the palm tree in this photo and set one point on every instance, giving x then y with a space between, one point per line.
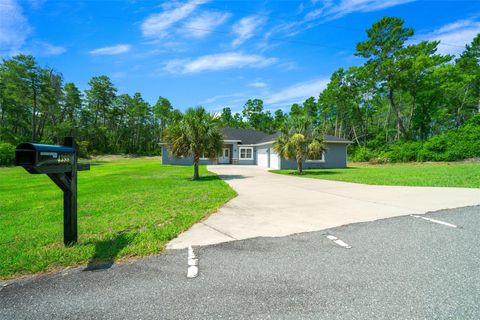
299 140
196 134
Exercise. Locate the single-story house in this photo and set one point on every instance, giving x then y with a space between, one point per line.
253 147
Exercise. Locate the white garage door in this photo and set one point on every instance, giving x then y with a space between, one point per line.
274 160
262 159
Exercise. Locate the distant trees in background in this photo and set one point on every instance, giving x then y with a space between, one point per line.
403 95
35 105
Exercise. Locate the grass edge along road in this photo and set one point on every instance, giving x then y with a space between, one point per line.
126 208
447 174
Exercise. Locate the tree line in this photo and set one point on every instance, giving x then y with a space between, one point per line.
403 92
36 105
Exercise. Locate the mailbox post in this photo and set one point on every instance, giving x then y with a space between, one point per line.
61 166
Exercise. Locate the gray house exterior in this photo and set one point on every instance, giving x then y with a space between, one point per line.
253 147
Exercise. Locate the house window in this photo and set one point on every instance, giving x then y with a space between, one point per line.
322 158
203 157
246 153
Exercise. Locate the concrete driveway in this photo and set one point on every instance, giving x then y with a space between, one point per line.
272 205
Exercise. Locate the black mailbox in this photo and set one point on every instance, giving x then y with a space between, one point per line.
60 164
44 158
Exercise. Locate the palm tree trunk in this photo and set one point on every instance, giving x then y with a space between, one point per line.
196 174
299 167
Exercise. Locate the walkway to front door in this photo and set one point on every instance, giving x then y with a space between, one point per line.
225 156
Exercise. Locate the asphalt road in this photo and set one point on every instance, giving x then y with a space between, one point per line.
397 268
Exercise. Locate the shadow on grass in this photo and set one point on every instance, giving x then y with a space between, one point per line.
319 173
219 177
307 173
107 250
94 164
316 172
231 176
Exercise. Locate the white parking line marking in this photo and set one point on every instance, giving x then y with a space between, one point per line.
339 242
192 272
192 261
191 254
435 221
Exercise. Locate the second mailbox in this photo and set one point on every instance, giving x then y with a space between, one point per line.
44 158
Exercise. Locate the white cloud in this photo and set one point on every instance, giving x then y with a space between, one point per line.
297 93
300 8
331 10
15 31
14 27
328 10
216 62
43 48
235 104
38 48
112 50
157 25
258 84
246 28
118 75
453 36
205 23
223 97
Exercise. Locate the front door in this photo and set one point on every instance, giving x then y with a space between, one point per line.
225 156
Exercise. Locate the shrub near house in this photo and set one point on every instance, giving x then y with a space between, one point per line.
456 144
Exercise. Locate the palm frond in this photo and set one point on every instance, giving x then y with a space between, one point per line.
299 139
197 133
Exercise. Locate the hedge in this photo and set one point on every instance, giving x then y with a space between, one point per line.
456 144
7 154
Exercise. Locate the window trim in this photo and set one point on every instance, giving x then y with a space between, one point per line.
317 160
240 153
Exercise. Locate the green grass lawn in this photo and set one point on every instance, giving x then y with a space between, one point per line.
126 208
466 175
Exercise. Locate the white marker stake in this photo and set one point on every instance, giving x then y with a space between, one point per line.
192 271
339 242
435 221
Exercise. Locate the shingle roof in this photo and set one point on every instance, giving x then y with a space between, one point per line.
246 136
270 137
329 138
252 136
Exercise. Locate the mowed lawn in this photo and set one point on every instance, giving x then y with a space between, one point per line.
126 208
455 174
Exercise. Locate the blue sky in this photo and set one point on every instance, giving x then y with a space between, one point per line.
217 53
